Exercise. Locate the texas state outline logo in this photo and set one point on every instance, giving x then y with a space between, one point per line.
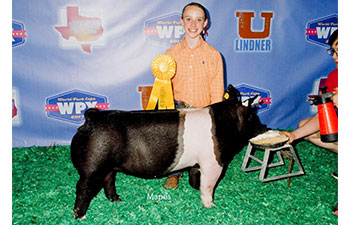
250 39
18 34
165 30
318 31
80 28
262 102
70 106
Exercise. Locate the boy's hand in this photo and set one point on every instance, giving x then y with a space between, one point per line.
335 97
290 135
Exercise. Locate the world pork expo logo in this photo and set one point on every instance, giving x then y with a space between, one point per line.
18 34
318 31
253 40
70 106
263 101
80 27
165 30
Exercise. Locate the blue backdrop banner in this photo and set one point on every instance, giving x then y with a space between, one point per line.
69 56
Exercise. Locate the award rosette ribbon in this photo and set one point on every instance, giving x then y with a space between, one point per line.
163 69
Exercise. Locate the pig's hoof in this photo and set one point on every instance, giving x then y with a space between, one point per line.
82 218
114 198
76 216
209 205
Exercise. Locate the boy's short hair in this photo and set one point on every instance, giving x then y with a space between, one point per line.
333 37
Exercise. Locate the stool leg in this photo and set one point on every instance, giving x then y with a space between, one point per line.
264 165
246 157
289 170
295 158
279 156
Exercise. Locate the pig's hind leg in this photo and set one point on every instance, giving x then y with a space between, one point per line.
194 177
88 186
109 187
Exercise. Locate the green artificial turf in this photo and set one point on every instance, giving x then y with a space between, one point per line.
44 179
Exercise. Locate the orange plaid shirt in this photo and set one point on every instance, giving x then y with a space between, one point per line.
198 80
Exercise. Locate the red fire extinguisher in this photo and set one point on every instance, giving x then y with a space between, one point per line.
327 117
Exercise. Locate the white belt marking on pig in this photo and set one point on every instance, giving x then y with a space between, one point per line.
198 147
197 139
180 148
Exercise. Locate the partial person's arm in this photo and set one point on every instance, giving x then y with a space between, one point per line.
310 127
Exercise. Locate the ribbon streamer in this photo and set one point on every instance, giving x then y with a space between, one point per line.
163 69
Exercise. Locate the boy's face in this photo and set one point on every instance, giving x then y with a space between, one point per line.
335 56
193 21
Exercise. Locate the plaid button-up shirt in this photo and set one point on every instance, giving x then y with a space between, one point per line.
199 74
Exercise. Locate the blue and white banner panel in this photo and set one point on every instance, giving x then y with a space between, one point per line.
69 56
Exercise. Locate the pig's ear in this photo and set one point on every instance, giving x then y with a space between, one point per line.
231 93
89 113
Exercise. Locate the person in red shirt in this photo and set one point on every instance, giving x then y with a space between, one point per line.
309 128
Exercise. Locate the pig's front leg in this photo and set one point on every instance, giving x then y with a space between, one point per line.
209 176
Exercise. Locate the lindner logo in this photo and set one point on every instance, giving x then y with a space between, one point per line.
319 31
70 106
252 40
77 30
262 102
18 33
166 30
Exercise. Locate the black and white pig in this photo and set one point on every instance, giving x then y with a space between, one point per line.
152 144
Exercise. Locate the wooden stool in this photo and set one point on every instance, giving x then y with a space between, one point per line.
286 150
